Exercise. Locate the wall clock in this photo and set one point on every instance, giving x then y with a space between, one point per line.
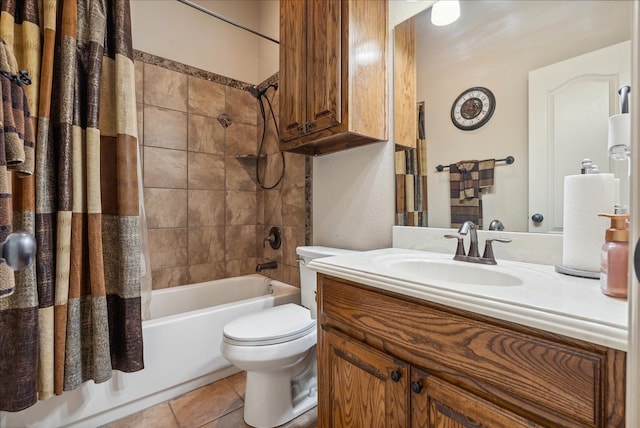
473 108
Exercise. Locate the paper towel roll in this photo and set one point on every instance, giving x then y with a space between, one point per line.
585 196
619 134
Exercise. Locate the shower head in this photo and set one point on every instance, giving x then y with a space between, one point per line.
18 250
257 92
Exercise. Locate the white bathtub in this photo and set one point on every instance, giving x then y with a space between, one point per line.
181 353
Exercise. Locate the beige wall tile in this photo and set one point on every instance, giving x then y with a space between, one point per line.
273 170
165 168
165 207
292 237
260 207
206 98
271 143
293 205
272 208
295 171
240 174
165 128
241 242
165 88
241 106
171 277
241 208
274 97
206 135
138 69
206 245
206 171
140 124
168 248
241 140
206 208
241 267
291 275
207 272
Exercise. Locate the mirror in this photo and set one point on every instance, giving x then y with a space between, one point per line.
496 45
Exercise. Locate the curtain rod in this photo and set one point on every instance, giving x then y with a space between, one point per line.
227 20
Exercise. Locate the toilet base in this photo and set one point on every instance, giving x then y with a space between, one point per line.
274 398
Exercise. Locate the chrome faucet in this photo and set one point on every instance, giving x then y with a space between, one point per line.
468 227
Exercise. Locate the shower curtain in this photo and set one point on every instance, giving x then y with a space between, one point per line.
76 314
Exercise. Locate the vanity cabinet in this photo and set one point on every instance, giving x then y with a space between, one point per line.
390 360
333 74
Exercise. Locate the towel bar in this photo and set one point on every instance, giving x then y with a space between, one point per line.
508 160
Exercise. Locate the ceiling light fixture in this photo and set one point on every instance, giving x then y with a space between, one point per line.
444 12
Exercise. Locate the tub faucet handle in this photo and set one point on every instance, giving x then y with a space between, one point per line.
274 238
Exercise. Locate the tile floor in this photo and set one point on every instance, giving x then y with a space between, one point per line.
217 405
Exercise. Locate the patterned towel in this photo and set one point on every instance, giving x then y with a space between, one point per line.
17 148
466 180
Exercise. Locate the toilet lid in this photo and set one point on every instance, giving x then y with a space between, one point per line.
270 326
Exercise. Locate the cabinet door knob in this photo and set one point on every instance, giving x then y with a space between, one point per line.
395 376
308 125
416 386
299 128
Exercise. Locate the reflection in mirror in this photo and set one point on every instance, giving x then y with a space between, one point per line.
497 45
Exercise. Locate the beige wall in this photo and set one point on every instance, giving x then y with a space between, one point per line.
173 30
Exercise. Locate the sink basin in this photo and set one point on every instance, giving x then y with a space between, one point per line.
435 271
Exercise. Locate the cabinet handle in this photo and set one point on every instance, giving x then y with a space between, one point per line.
299 128
416 386
308 125
395 376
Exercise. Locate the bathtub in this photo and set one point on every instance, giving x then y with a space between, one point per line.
181 353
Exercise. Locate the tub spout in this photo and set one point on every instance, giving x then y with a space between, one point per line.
268 265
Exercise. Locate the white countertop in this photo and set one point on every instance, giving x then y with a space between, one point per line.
547 300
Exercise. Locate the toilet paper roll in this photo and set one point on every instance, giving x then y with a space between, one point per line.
585 196
619 130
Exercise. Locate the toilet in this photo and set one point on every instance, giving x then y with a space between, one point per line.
277 349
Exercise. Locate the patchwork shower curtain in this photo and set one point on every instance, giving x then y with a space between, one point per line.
75 314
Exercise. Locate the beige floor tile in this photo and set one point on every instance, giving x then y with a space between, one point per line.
205 404
159 416
237 382
234 419
305 420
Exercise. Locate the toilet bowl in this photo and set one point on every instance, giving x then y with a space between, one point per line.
277 349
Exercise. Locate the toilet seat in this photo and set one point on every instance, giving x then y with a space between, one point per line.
271 326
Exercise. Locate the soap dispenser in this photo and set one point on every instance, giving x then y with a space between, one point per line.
614 261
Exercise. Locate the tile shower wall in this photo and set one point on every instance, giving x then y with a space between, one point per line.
206 215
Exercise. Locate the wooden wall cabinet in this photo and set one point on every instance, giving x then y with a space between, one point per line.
405 98
333 74
393 361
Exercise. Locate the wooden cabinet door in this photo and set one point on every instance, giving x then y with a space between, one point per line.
360 386
438 404
324 64
293 73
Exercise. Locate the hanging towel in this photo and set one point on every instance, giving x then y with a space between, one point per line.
485 173
466 180
17 148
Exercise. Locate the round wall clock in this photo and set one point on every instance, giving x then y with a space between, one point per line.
473 108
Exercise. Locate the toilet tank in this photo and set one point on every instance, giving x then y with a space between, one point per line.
308 279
